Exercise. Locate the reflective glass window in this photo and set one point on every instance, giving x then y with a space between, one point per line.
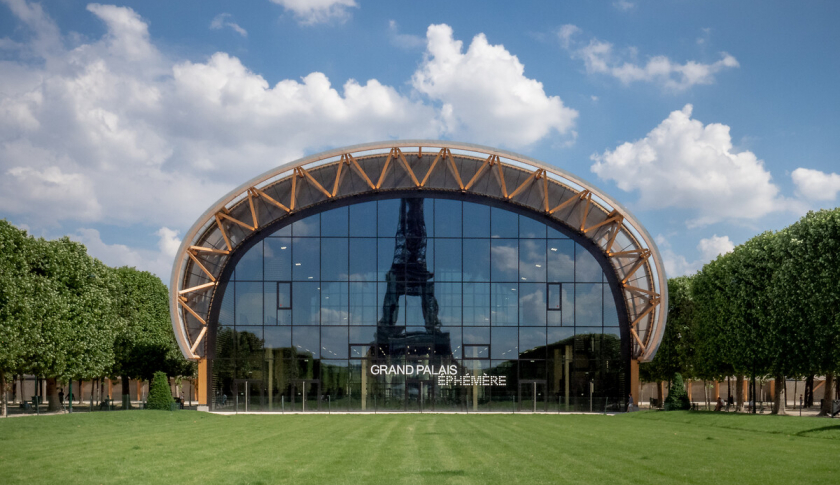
503 223
561 260
334 253
476 220
504 258
588 301
362 219
306 255
447 218
334 223
306 303
530 228
334 307
308 227
476 259
278 258
504 299
362 259
307 341
476 304
250 267
448 259
249 303
532 304
532 267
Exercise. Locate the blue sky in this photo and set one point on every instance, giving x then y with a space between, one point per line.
712 121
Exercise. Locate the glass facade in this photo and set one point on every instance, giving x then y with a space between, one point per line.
417 304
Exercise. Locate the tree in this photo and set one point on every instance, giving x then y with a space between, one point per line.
677 398
808 295
146 343
160 396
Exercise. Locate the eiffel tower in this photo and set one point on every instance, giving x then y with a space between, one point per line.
409 274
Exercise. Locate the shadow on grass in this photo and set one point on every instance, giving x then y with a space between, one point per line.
825 432
443 473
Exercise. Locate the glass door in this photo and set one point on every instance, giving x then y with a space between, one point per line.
419 395
532 395
306 395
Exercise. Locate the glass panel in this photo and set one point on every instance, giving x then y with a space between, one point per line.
362 303
588 305
610 312
560 336
250 267
505 343
270 303
278 259
429 216
278 337
385 257
477 260
449 301
532 260
334 342
334 259
455 342
554 297
362 335
308 227
448 259
284 295
504 300
362 259
307 341
306 299
476 220
306 254
532 342
226 316
477 336
568 303
249 303
529 228
334 309
363 220
476 351
504 257
531 304
389 217
503 223
249 341
447 218
335 222
476 304
561 260
587 269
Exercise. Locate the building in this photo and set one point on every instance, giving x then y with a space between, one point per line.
418 276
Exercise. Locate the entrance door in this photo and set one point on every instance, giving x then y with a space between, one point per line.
532 396
306 395
419 395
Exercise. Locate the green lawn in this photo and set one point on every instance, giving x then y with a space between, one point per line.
190 447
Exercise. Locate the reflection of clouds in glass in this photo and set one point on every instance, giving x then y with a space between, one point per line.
531 305
307 227
587 268
532 260
505 260
588 305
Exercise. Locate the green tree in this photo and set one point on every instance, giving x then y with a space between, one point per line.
160 396
146 343
678 397
807 296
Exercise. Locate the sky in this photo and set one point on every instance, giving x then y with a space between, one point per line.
711 121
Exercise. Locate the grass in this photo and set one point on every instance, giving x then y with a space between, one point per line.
189 447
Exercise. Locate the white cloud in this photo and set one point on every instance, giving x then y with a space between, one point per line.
113 131
310 12
221 21
714 246
600 57
485 94
683 163
624 5
403 41
679 265
816 185
158 262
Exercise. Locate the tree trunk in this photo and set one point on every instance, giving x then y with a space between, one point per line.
52 395
660 393
706 394
3 394
126 393
809 391
829 393
739 392
779 399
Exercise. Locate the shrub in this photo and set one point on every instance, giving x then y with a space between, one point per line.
677 396
160 397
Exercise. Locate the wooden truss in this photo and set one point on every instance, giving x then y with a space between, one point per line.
557 200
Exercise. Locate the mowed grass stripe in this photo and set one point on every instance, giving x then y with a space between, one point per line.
189 447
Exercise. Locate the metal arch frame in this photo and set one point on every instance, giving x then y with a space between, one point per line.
220 231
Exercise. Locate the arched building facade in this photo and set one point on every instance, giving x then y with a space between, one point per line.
417 276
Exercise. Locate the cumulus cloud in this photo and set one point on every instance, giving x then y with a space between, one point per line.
221 21
709 249
157 261
484 84
311 12
113 131
685 164
600 57
816 185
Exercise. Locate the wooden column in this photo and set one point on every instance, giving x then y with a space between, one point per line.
200 388
717 390
634 381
